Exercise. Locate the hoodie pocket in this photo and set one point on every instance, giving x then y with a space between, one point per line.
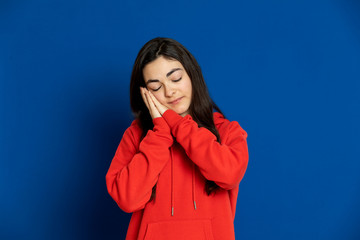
189 230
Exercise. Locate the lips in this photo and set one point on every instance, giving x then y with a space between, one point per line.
176 101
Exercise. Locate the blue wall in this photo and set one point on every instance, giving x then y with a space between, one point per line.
287 71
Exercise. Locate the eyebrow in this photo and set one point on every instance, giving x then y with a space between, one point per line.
167 75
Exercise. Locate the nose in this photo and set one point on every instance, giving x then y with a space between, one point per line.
169 91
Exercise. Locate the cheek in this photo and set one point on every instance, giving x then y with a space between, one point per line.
187 86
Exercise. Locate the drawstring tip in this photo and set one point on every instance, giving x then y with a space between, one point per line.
195 205
172 211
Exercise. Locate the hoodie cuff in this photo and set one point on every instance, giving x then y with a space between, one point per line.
160 123
173 119
162 129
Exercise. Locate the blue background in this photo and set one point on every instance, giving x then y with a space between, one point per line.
287 71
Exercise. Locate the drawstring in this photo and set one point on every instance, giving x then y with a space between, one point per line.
193 184
172 184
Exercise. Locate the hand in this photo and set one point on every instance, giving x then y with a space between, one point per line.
160 107
156 109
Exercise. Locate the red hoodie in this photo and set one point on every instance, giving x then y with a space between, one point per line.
179 157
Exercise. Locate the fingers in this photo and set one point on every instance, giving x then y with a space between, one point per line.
149 99
153 99
142 93
161 108
149 103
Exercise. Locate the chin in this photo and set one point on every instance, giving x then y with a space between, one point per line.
181 111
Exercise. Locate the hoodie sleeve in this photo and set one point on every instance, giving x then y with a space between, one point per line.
135 168
224 163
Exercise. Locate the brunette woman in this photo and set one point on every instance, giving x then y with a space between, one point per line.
178 166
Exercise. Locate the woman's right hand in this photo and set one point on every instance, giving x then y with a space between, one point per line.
154 112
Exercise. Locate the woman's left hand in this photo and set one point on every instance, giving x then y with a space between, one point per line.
154 106
160 107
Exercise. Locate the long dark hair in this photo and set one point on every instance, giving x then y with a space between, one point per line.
201 106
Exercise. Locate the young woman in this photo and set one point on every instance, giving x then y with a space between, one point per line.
179 164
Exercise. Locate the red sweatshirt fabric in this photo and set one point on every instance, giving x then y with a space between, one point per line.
179 157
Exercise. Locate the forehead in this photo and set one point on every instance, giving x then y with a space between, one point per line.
160 67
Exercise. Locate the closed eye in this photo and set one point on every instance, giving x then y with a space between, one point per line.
177 80
156 89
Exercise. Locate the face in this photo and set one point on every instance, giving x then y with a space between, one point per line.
170 84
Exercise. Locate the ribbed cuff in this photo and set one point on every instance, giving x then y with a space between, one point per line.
160 123
172 118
